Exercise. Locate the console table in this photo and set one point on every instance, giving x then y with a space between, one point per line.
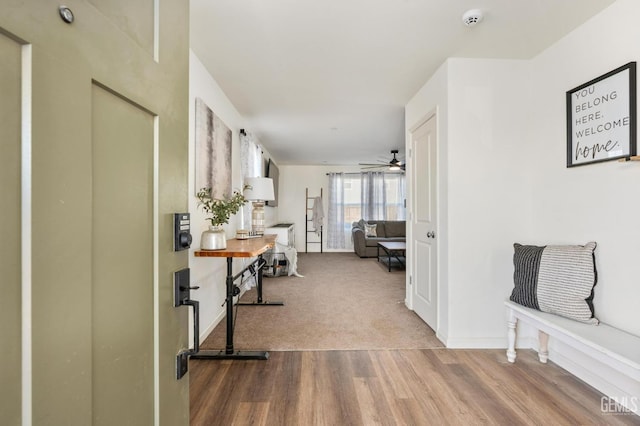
252 247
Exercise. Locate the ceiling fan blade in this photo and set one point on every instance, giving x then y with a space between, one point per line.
394 165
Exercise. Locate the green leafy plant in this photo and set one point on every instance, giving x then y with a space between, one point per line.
219 210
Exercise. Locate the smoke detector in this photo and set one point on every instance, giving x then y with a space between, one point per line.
472 17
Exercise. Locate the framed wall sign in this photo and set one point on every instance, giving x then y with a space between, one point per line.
601 118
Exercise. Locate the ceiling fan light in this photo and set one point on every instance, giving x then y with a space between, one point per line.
393 165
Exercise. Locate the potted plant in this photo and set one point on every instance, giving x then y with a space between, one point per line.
218 213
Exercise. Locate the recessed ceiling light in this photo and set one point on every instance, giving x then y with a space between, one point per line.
472 17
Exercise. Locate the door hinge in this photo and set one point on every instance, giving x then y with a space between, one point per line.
410 280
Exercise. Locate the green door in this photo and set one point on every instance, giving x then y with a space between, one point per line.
10 232
93 151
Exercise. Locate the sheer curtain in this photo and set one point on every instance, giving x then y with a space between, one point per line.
250 166
336 235
368 196
396 195
373 204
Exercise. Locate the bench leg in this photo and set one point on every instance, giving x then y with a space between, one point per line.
511 336
543 349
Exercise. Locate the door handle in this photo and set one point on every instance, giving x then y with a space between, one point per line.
182 297
196 323
431 234
182 359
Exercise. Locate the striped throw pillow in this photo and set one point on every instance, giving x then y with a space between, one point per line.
556 279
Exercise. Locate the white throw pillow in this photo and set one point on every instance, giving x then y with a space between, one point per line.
370 230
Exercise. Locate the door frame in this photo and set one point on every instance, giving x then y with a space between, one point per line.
435 114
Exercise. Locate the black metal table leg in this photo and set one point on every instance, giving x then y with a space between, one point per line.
260 302
230 352
397 256
389 253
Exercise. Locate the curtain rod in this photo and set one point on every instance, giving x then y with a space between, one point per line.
359 173
346 173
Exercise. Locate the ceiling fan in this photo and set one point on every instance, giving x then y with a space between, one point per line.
392 165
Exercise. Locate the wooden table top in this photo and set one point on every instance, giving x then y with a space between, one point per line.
251 247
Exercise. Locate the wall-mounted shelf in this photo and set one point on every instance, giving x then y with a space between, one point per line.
632 158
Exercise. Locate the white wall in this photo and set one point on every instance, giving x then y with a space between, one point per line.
597 202
507 181
210 273
483 180
293 181
489 193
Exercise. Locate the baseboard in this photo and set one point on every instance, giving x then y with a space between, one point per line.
205 333
476 343
527 343
614 385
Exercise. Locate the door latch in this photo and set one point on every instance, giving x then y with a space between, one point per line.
182 296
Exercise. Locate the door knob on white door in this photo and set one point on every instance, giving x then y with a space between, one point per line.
431 234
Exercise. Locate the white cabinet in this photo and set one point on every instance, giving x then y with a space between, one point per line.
286 235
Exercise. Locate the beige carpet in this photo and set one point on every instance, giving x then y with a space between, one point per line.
343 302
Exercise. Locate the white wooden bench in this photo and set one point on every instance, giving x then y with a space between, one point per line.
610 346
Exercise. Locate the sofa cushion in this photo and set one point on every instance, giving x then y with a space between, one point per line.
395 228
373 242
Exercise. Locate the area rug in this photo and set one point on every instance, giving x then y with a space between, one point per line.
343 302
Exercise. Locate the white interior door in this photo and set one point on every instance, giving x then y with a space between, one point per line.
424 221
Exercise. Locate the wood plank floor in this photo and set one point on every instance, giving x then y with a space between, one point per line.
393 387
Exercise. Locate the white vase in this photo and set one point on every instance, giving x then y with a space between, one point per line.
213 239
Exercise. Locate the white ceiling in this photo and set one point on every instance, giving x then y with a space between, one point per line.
325 82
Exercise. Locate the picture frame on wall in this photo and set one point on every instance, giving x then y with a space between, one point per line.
601 118
213 152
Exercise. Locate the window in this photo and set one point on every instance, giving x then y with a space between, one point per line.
368 196
251 165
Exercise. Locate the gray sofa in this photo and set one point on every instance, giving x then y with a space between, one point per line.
386 230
